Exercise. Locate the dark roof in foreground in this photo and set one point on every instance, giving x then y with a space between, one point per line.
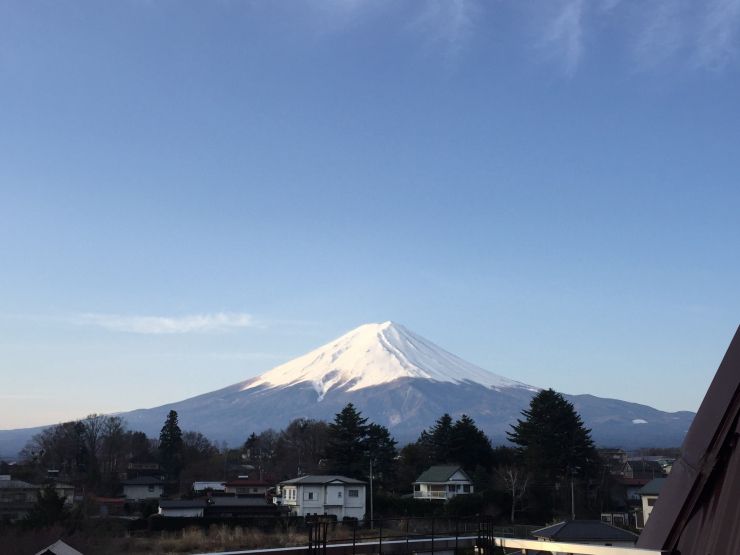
322 479
440 473
584 530
653 487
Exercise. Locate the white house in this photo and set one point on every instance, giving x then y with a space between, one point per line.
649 495
144 487
442 482
331 495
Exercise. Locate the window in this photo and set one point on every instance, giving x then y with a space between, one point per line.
310 496
466 488
451 488
353 493
339 494
417 487
151 489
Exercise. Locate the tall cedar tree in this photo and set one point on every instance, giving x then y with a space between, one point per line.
352 443
171 446
440 439
345 448
381 448
552 442
469 446
454 442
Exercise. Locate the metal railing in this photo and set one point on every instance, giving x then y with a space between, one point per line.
432 535
430 495
526 546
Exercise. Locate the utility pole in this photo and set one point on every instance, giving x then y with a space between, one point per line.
572 500
371 494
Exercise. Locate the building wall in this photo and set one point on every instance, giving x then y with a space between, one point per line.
648 501
142 492
190 512
330 499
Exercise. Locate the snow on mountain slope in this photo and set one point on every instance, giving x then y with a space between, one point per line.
375 354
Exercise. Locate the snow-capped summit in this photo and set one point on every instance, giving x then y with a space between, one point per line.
375 354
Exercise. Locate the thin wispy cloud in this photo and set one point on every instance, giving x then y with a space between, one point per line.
197 323
447 22
655 32
717 43
563 38
662 33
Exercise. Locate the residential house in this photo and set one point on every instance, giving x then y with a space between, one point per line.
247 486
17 497
143 488
589 532
442 482
331 495
203 487
649 495
613 459
643 469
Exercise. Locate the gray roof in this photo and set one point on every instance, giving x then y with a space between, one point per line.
584 530
181 503
440 473
322 479
652 487
16 484
59 548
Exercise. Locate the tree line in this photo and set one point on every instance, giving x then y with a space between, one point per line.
550 447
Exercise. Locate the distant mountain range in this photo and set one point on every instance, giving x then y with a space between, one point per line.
396 378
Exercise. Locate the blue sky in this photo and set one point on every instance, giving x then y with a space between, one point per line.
192 193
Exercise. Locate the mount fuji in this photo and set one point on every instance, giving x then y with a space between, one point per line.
398 379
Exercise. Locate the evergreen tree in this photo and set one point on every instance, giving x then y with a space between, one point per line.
469 446
345 448
49 509
440 440
552 442
171 446
380 447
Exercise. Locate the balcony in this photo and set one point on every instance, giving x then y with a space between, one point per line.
431 495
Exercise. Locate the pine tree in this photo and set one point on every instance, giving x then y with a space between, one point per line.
440 440
469 446
170 446
345 449
380 447
552 442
